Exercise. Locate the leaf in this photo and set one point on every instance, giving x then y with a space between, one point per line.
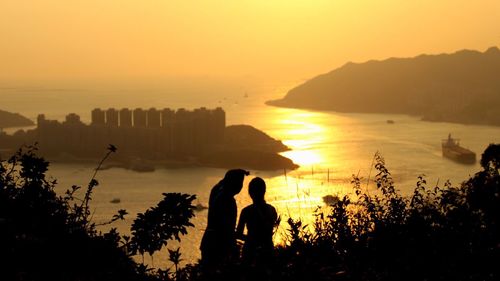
112 148
93 183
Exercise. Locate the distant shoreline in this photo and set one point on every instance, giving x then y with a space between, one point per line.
422 117
243 147
273 162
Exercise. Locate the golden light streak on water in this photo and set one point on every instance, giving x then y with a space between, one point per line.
298 194
304 157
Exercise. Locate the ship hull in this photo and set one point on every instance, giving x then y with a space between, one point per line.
460 155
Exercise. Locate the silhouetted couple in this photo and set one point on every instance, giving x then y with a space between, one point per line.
218 246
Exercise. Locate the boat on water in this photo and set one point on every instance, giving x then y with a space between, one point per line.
200 207
452 150
140 165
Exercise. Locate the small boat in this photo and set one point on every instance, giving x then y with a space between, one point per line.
452 150
115 201
141 166
390 121
199 207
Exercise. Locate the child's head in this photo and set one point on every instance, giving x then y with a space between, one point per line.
257 189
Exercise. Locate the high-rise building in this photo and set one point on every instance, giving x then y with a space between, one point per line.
157 133
167 117
202 129
219 124
97 117
73 119
182 132
139 118
112 117
153 118
125 118
40 119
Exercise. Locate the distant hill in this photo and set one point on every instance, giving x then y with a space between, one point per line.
248 147
462 87
247 137
8 119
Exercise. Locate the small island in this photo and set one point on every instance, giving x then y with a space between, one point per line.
147 139
463 87
11 120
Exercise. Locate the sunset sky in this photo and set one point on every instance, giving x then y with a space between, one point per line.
271 39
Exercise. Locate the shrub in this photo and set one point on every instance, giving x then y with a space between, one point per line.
434 234
450 233
44 236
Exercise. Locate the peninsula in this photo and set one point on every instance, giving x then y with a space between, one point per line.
463 87
152 138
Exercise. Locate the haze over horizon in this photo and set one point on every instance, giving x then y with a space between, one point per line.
291 40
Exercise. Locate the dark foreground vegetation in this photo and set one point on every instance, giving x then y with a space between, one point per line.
447 233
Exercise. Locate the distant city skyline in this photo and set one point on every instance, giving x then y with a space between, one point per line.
152 133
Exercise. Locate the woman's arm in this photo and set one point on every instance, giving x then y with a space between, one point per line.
241 226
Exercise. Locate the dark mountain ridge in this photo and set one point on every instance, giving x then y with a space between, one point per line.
8 120
462 87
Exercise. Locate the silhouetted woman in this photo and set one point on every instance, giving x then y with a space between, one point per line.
219 242
260 219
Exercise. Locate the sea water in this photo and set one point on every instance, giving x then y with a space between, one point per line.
330 148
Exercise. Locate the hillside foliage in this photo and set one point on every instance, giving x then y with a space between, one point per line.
437 233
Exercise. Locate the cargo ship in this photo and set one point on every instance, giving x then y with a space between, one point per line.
452 150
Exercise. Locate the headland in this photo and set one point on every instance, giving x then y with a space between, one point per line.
462 87
9 120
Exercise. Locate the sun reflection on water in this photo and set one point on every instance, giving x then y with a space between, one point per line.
303 157
298 194
302 133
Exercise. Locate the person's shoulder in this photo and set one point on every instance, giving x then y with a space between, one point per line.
247 208
270 206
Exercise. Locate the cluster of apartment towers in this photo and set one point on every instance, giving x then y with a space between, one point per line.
152 133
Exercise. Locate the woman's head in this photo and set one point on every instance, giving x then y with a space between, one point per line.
257 189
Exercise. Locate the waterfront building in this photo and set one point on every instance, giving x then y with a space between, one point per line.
125 118
154 119
152 134
97 117
139 118
73 119
167 117
112 117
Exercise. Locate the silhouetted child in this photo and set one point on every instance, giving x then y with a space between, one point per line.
219 242
260 219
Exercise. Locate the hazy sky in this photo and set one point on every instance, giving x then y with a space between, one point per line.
278 39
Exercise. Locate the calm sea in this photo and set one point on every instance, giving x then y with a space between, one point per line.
330 147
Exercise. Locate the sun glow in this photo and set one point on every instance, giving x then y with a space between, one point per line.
292 39
303 157
303 132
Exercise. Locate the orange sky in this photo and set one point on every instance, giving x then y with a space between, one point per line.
276 39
